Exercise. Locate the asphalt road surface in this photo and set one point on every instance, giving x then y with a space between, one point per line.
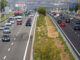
74 36
15 49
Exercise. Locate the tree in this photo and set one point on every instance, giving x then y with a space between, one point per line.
42 10
3 4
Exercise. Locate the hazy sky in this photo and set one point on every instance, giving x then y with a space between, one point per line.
42 2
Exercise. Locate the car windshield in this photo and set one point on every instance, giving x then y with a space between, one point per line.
19 18
5 35
6 28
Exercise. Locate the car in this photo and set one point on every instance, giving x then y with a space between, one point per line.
19 22
78 22
67 21
31 15
77 27
19 17
29 19
28 23
63 24
6 30
5 38
2 27
11 20
59 21
8 24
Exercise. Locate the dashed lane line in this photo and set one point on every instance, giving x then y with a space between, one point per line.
4 57
12 43
9 49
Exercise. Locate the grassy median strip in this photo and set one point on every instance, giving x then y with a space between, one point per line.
3 18
48 42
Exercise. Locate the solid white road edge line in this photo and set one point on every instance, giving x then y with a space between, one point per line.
24 57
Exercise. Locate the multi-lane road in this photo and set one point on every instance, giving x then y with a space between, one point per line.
19 47
73 36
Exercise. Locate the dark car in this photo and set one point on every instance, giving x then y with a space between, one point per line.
67 20
59 21
28 23
76 27
78 22
5 38
29 19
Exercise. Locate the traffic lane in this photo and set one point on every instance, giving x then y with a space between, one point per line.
5 46
72 24
73 36
20 45
15 30
28 55
18 49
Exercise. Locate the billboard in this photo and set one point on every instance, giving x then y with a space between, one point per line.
19 5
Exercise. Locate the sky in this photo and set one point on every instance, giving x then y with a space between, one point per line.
46 3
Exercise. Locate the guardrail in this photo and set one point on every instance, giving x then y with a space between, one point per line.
66 39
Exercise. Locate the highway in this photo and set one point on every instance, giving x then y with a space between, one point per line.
16 48
74 36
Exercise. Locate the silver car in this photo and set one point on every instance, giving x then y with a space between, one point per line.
6 30
2 27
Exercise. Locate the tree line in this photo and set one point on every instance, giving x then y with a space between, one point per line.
3 4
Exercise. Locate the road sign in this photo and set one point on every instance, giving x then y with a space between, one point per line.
19 5
72 5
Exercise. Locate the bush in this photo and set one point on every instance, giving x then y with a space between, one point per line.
42 10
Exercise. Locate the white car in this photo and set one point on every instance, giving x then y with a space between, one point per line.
31 15
8 24
12 21
71 18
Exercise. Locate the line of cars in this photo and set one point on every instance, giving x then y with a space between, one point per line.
6 30
62 20
62 23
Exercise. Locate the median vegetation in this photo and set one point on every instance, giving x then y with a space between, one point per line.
49 45
3 18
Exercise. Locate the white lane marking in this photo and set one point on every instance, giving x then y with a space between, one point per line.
9 49
24 57
12 43
14 38
0 38
4 57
